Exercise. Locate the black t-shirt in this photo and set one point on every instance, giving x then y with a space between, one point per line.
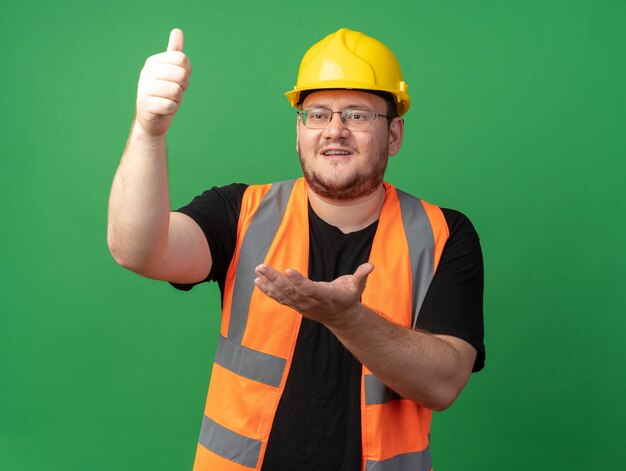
318 423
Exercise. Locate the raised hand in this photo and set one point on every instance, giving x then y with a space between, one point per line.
325 302
162 83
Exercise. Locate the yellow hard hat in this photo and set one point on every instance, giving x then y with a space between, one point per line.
349 59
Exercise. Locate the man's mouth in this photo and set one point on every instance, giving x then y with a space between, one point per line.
332 152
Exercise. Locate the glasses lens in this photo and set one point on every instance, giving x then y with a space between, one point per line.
358 119
316 117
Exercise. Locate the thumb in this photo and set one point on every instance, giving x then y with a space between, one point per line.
361 274
177 40
364 270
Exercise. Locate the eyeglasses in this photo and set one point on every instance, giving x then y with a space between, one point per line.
355 120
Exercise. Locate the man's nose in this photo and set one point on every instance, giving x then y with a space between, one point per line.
336 128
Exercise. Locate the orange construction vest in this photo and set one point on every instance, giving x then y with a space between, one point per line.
258 335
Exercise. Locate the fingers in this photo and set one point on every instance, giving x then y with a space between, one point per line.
276 285
290 276
176 41
171 58
171 73
155 106
165 89
159 98
270 279
295 277
265 275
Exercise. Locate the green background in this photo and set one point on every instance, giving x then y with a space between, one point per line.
518 119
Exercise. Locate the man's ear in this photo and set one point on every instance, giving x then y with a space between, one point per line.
298 134
396 134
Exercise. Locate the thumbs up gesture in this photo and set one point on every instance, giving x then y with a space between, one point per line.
162 82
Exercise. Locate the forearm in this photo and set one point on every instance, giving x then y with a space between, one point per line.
139 206
428 369
416 364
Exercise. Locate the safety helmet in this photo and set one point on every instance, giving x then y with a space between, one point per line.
353 60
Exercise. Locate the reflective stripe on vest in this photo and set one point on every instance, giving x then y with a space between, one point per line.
228 444
410 461
254 248
273 225
376 392
251 364
421 247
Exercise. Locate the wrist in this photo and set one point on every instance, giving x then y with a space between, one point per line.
140 136
347 319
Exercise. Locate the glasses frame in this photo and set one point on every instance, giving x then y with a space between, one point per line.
343 114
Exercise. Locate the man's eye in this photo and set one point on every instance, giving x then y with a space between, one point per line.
317 115
356 116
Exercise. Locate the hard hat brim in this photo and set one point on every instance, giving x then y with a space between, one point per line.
402 98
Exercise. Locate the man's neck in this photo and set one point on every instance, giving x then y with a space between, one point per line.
348 216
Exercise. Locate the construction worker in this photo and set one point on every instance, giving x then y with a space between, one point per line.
351 309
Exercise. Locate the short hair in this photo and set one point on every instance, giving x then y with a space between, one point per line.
390 101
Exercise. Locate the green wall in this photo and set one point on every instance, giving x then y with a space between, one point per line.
518 119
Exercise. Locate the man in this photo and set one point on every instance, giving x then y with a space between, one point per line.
367 312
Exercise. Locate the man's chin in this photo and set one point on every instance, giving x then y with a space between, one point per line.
341 191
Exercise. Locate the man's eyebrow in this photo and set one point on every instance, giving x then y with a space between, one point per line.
360 106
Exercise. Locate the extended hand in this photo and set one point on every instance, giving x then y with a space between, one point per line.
162 82
325 302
